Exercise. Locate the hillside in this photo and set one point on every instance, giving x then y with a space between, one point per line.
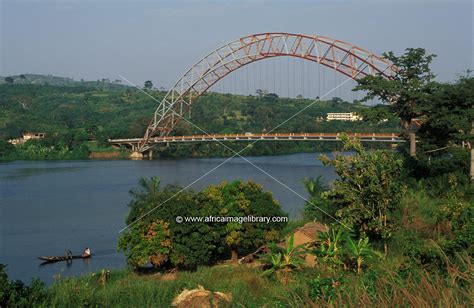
37 79
75 114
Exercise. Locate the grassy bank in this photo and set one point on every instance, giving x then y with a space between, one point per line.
379 286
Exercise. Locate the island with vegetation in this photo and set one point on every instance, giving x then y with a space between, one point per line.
394 229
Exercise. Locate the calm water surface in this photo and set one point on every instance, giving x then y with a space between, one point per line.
47 207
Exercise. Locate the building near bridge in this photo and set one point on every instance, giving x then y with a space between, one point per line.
27 136
343 116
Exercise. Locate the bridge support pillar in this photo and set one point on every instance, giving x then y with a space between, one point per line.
136 155
148 154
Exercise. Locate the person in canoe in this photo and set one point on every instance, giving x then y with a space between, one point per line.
86 253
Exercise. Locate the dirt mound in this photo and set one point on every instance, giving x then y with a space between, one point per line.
201 298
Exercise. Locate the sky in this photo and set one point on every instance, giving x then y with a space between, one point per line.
160 40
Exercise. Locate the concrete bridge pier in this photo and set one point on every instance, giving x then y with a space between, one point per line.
141 155
136 155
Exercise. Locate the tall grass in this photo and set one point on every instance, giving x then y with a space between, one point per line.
380 287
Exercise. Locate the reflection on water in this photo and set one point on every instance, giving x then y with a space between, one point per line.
47 207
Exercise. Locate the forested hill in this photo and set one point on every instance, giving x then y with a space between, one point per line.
37 79
78 113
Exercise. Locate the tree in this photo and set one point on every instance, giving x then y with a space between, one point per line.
147 243
242 199
261 93
148 85
367 194
449 114
271 97
5 148
154 234
407 91
447 132
9 80
317 207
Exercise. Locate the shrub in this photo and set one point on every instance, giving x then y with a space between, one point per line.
241 199
368 191
324 288
17 294
154 236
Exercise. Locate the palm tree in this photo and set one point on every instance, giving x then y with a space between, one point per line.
315 186
148 189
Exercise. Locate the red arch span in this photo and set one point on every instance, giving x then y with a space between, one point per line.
343 57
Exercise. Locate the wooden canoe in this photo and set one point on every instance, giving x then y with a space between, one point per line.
51 259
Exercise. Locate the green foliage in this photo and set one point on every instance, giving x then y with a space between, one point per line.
410 87
284 260
241 199
17 294
155 237
317 207
147 243
360 251
330 247
449 115
148 84
324 288
70 112
367 194
446 132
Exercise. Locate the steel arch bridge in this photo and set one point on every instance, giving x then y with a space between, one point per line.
346 58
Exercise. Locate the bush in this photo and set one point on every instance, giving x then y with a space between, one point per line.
242 199
324 288
156 237
17 294
368 191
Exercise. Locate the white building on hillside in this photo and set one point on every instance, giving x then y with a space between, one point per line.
343 116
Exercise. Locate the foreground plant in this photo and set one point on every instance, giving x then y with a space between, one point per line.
361 251
286 260
330 247
367 195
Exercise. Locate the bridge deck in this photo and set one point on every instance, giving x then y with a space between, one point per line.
379 137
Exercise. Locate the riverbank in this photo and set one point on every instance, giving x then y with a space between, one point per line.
90 150
245 286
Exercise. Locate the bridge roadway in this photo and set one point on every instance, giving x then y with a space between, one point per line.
377 137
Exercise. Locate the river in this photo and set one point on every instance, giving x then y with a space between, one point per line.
47 207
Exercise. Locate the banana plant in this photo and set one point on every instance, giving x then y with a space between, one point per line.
284 260
361 251
330 249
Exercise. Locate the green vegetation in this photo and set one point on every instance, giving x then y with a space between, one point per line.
83 114
16 293
158 238
400 228
366 195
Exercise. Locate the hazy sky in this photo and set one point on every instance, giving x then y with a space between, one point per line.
159 40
